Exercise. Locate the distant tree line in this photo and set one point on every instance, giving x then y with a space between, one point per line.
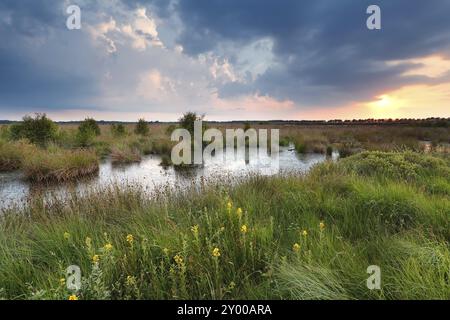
427 122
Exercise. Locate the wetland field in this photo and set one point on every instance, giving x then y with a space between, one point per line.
105 197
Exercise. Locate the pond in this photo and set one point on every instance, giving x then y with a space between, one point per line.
15 191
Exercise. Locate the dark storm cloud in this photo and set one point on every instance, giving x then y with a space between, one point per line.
323 54
324 51
29 17
40 62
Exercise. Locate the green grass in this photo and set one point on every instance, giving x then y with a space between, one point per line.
378 209
54 164
12 154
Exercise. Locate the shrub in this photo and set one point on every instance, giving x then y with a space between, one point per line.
85 138
118 130
87 131
188 119
39 130
90 125
285 141
142 128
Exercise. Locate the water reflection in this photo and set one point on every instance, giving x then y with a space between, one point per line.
149 174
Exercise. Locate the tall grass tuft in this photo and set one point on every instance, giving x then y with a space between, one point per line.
57 165
12 154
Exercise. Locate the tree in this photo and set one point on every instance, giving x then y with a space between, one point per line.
188 119
142 128
39 130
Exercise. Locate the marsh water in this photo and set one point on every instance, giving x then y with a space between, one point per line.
15 191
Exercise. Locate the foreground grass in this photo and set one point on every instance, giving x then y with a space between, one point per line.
286 237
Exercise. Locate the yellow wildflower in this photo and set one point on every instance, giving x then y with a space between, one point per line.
178 259
66 235
166 251
239 212
62 281
73 297
244 229
304 233
296 247
130 239
131 281
88 242
229 206
194 230
96 258
322 225
216 253
108 247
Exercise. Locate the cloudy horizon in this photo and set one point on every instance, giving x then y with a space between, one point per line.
228 59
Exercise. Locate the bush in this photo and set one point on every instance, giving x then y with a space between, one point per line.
118 130
85 138
39 130
188 119
142 128
285 142
91 126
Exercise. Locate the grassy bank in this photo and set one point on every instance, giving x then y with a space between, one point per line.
287 237
57 165
12 154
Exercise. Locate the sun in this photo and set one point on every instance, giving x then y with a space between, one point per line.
383 101
384 106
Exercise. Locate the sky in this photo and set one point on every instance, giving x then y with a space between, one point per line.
227 59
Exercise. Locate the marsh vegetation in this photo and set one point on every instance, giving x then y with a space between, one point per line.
283 237
288 236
